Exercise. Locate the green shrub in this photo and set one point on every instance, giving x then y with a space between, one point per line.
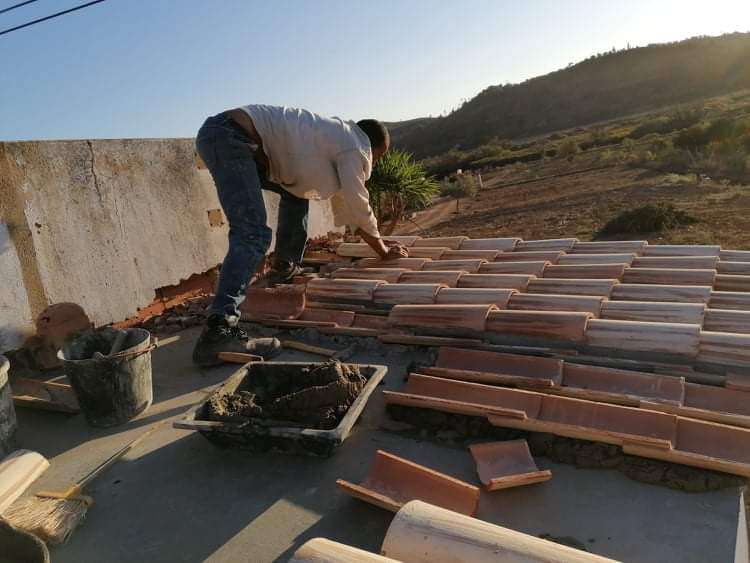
646 219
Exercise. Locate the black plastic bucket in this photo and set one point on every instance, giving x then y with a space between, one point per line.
114 389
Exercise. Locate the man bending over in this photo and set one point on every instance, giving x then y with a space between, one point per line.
301 156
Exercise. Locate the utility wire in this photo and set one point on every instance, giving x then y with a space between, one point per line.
27 24
9 8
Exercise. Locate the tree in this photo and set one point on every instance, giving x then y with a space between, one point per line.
464 186
398 184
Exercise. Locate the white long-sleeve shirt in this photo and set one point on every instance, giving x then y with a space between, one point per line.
316 157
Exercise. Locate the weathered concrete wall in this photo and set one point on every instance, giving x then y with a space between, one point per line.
103 224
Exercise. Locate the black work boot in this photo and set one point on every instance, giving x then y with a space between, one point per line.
220 336
283 272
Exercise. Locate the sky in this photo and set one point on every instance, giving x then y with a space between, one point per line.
158 68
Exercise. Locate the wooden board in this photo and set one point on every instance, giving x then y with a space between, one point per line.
544 302
488 378
601 288
666 276
399 481
18 470
321 550
652 311
667 338
665 293
449 405
44 395
503 465
556 325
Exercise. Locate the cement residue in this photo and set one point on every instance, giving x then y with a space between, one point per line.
460 429
315 396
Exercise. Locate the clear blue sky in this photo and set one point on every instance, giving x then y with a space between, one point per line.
156 68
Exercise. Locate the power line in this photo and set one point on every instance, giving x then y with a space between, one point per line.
8 9
27 24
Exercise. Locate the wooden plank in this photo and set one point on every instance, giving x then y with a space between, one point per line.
454 243
498 281
18 470
474 296
502 465
501 244
667 338
531 268
421 533
557 325
733 300
44 395
449 405
544 302
601 288
472 317
681 250
665 293
406 294
676 262
652 311
687 458
564 244
610 247
666 276
388 275
533 256
720 320
467 265
400 481
448 278
592 259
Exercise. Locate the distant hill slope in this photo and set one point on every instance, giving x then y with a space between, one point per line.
599 88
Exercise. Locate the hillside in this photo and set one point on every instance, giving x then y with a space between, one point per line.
600 88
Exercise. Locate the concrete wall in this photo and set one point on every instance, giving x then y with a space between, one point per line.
103 224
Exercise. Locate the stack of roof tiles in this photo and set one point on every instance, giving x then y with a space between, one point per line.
685 301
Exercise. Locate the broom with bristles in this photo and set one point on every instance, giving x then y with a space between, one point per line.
52 516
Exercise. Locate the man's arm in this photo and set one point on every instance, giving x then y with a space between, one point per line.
350 167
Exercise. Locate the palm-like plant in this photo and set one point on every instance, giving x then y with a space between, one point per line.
397 185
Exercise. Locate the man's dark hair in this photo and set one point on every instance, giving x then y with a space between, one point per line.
376 132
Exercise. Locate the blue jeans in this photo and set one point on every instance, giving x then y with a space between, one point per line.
229 155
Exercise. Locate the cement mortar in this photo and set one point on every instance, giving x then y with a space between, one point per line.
461 430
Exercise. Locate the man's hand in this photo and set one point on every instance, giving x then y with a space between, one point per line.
395 251
387 250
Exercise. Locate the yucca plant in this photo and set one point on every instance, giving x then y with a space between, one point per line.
398 185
